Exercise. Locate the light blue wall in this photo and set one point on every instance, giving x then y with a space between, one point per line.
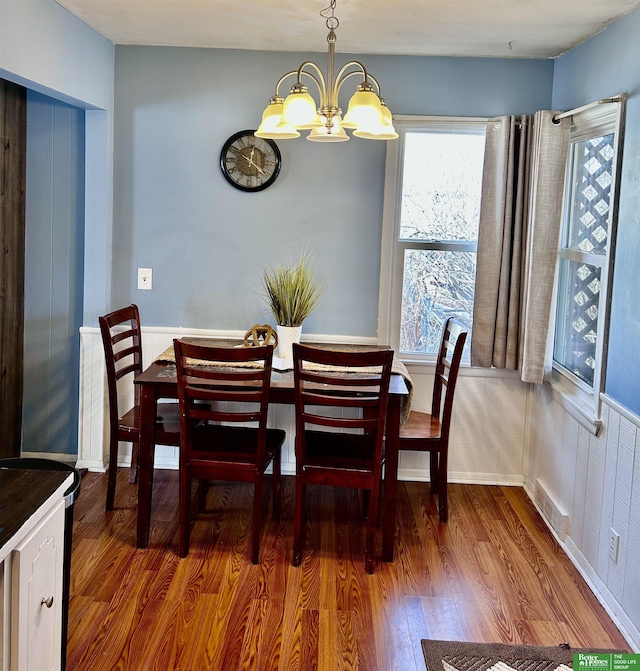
49 51
606 65
53 274
46 49
207 242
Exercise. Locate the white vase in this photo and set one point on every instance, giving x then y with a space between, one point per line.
287 335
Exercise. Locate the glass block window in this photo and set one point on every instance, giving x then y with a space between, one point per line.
591 194
577 328
584 259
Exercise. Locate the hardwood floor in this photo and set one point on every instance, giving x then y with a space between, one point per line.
492 573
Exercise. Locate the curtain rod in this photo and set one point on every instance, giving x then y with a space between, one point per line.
577 110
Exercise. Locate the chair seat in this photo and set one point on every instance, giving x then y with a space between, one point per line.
167 424
346 451
420 426
232 444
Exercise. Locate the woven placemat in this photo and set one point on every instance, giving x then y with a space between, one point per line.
462 656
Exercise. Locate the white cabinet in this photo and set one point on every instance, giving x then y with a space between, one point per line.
32 562
36 596
4 631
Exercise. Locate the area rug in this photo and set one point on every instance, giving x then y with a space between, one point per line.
460 656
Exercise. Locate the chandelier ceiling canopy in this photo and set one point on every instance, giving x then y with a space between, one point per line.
367 114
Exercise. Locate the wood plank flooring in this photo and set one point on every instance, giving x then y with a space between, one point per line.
493 573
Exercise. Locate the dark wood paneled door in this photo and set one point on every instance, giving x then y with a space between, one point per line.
13 138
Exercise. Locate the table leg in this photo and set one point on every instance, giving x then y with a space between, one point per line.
145 462
392 444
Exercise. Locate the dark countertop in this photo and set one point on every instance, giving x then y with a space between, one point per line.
22 492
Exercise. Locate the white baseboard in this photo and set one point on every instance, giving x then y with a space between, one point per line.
595 584
500 479
90 465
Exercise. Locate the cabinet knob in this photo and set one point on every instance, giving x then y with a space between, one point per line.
47 602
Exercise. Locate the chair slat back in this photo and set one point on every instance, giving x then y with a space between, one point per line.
122 343
212 389
452 344
328 382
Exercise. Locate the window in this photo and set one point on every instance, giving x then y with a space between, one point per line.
585 258
430 235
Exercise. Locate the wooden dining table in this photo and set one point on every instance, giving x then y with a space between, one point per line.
159 381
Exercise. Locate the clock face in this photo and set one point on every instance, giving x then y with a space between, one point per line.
248 162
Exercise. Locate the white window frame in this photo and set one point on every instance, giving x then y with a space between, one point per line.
576 396
393 249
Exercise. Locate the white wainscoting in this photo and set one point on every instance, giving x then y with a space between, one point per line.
487 438
596 480
487 442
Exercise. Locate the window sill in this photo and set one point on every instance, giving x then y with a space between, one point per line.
422 366
583 407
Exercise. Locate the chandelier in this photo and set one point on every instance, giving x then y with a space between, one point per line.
367 115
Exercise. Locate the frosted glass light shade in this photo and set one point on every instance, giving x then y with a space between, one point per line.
364 111
387 118
270 127
317 122
322 134
299 109
384 132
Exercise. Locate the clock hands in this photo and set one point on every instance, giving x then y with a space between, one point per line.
257 167
250 161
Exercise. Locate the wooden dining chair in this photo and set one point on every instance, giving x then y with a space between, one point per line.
340 407
425 432
223 394
122 342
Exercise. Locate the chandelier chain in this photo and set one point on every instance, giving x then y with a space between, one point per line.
328 13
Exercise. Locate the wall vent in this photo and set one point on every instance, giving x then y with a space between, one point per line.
556 517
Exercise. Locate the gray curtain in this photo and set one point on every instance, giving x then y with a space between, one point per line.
520 216
503 214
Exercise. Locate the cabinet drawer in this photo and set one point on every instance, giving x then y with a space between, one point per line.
36 596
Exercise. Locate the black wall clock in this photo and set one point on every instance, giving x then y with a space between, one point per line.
248 162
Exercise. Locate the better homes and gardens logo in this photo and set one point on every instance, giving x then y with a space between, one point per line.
605 661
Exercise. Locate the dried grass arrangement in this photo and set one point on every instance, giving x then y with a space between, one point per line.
291 290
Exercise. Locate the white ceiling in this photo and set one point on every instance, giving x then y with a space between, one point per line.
502 28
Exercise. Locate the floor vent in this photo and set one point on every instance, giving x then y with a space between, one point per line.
550 508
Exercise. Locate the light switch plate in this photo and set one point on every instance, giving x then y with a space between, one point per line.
145 278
